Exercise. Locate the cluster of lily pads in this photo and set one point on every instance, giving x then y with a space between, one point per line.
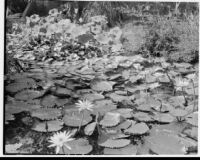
115 104
117 98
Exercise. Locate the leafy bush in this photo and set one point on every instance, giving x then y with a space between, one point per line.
175 39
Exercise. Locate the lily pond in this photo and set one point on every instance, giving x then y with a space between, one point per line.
79 93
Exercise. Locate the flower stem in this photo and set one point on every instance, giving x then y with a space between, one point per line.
185 104
81 122
63 150
194 94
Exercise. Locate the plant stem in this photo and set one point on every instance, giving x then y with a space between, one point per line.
81 122
63 150
194 94
185 104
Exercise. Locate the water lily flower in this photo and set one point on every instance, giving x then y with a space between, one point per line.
59 140
84 105
181 82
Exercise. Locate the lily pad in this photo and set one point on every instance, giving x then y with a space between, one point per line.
48 126
192 119
73 118
89 129
93 96
101 85
46 113
137 129
124 112
19 106
124 125
119 98
115 143
79 146
28 95
104 106
141 116
62 92
128 150
50 101
165 143
20 84
179 113
15 87
110 119
191 132
163 117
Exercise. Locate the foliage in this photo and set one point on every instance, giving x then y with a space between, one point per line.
174 39
48 126
79 146
122 97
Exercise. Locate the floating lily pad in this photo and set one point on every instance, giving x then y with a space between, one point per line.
137 129
28 95
119 98
73 118
46 113
177 101
165 143
128 150
163 117
192 119
15 87
124 125
89 129
20 84
141 116
164 79
124 112
144 107
18 106
48 126
93 96
179 113
110 119
115 143
150 78
104 106
50 101
101 85
62 92
78 147
191 132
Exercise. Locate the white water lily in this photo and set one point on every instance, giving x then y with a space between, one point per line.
60 139
181 82
84 105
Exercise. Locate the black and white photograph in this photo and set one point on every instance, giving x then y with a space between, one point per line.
100 78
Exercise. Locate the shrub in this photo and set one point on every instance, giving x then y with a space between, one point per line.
175 39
